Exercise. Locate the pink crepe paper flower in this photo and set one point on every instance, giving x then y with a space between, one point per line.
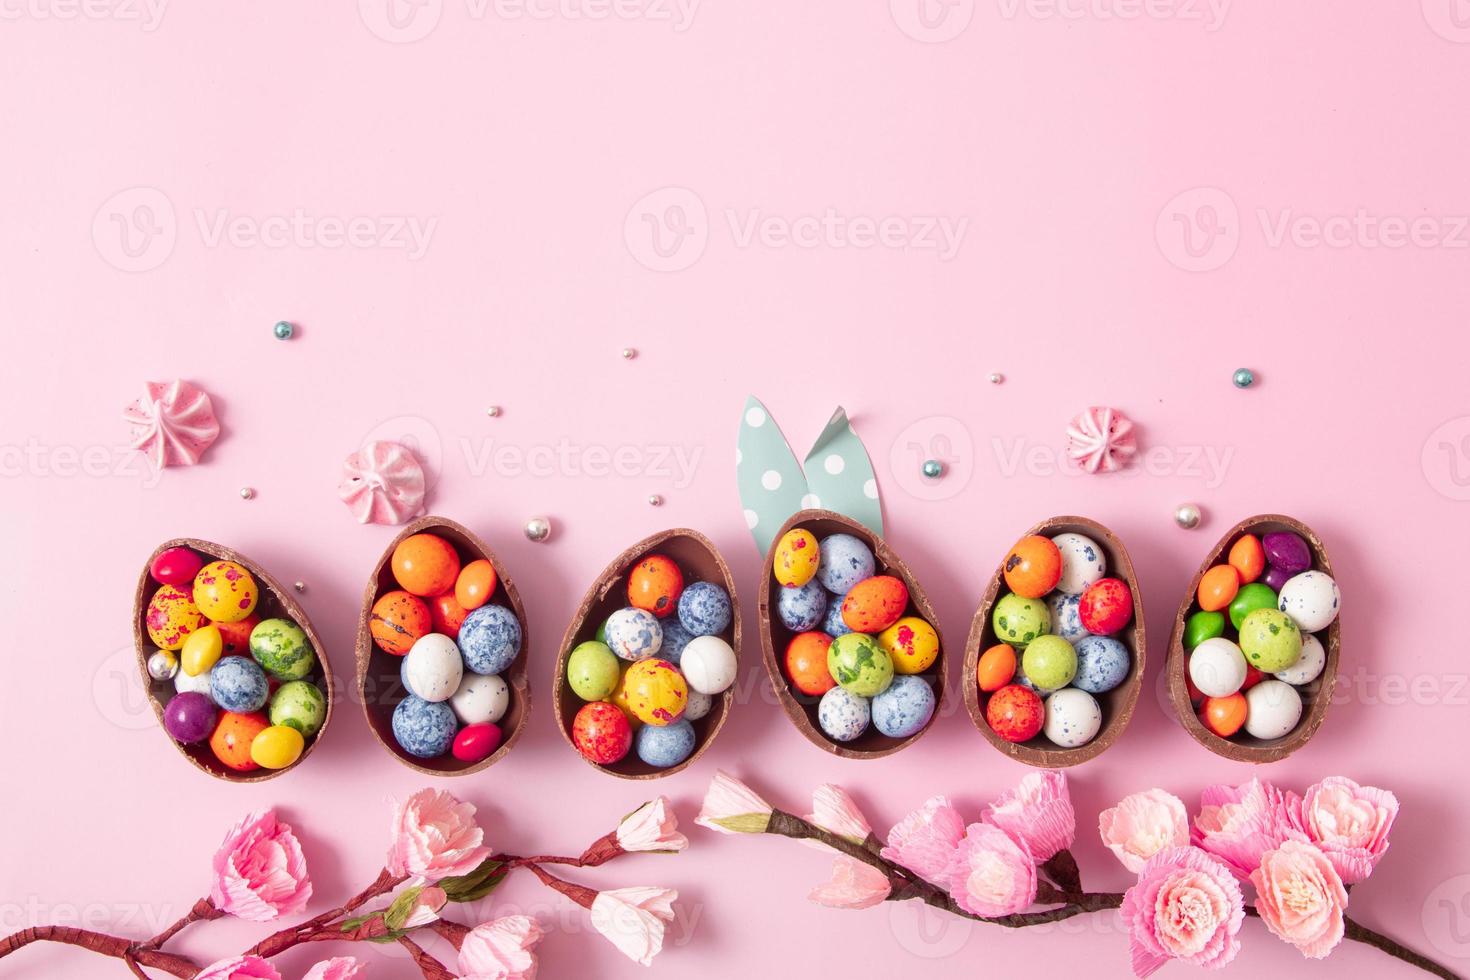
259 870
501 950
1350 824
1142 825
925 840
990 873
426 908
239 968
854 885
651 827
1187 905
1301 898
337 968
731 807
633 919
1037 813
435 836
835 812
1240 823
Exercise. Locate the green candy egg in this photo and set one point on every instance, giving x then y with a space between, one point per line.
1018 620
1270 640
1050 662
592 670
1203 626
1256 595
601 634
299 705
860 665
280 646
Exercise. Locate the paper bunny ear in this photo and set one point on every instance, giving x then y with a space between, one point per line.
773 486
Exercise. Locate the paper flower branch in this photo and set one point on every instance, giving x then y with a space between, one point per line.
437 856
1014 868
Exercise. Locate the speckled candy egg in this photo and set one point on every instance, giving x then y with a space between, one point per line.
655 584
225 591
1066 620
281 647
843 562
433 668
1018 620
236 635
843 715
905 708
796 558
1083 562
1270 640
233 736
676 638
1033 567
860 665
425 564
704 609
875 604
1073 718
666 746
238 684
698 705
447 614
600 731
912 644
1273 709
1106 606
171 616
656 691
1102 664
1311 600
481 698
633 634
801 607
1015 713
424 729
490 639
189 717
299 705
1309 665
832 623
709 665
397 620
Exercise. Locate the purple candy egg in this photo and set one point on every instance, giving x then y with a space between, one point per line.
189 717
1287 551
1275 578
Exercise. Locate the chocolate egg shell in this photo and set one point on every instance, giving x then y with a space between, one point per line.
378 683
274 600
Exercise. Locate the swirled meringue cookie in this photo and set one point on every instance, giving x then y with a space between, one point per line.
1101 440
382 483
173 423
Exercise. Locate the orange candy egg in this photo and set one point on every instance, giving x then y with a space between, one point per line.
1224 716
655 584
476 584
1248 557
232 737
447 614
425 564
806 663
996 668
1034 567
875 604
397 620
237 635
1217 587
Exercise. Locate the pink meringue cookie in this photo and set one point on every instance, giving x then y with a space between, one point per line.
173 423
382 483
1101 439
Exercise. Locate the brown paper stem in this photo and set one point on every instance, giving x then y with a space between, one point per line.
431 968
203 911
114 946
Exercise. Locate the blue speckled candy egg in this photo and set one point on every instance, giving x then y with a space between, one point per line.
667 745
1102 664
238 684
424 729
842 715
704 609
634 634
905 708
1083 562
1066 621
490 639
676 638
801 608
845 562
1073 718
833 624
1311 600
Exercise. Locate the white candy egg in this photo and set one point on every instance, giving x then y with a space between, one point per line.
480 698
1272 709
1217 667
199 683
697 706
1083 562
1073 718
433 667
1308 666
708 664
1311 600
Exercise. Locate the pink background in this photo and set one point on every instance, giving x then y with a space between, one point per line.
1063 136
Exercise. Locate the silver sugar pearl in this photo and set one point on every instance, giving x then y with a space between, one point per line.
162 665
493 411
300 586
997 378
247 493
538 529
629 353
1187 516
654 500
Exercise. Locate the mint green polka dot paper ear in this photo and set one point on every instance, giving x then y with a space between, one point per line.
838 475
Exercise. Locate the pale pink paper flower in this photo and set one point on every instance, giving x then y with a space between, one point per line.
925 840
1142 825
1240 823
239 968
1187 905
990 873
633 919
259 870
435 836
337 968
1301 898
731 807
854 885
652 827
835 812
426 908
1350 824
1038 813
501 950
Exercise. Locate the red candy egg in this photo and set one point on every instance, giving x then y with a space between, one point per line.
476 742
601 733
655 584
447 613
176 566
875 604
1015 713
1106 606
237 635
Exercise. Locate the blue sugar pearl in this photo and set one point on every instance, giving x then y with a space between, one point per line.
667 745
238 684
933 469
1244 378
423 728
490 639
833 624
801 607
704 609
284 330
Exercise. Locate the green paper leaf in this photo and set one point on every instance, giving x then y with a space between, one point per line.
477 884
745 823
402 907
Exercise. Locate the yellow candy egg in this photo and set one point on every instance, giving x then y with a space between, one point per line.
203 647
796 558
277 747
171 617
620 697
656 692
912 644
225 592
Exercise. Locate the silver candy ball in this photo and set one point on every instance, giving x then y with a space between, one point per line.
629 353
654 500
1244 377
933 469
538 529
300 586
247 493
1187 516
162 665
997 378
493 411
